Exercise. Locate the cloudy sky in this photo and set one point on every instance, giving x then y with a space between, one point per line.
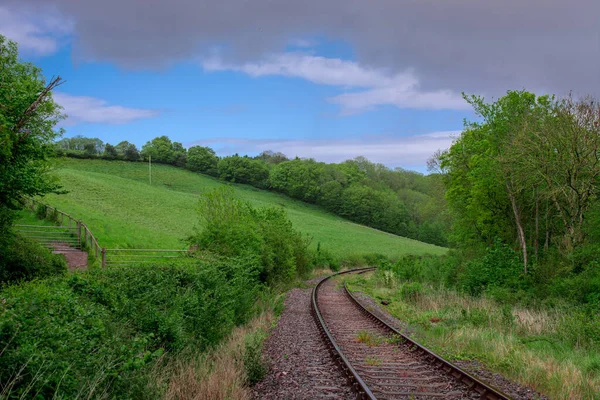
329 79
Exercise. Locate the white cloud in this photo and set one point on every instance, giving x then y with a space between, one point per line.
83 109
407 151
36 31
381 87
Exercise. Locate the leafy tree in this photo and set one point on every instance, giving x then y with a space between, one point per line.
243 170
131 153
298 178
90 146
202 159
127 151
110 152
89 149
163 151
28 115
271 157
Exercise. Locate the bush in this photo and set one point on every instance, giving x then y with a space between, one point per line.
24 259
103 330
500 266
322 258
41 211
254 364
233 228
411 291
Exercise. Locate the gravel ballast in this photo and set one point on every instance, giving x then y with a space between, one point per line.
300 365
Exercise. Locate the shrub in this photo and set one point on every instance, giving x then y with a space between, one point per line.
103 330
411 291
41 211
24 259
233 228
254 364
500 266
322 258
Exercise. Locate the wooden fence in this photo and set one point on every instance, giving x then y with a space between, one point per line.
75 234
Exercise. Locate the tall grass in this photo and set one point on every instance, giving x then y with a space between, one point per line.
541 348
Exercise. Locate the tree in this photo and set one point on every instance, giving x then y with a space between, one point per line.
163 151
160 149
131 153
110 152
271 157
28 115
243 170
298 178
202 159
89 149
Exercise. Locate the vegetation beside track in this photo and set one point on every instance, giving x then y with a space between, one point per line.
548 349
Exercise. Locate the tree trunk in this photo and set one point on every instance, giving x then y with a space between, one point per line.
520 232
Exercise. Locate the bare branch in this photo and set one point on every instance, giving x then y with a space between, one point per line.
54 83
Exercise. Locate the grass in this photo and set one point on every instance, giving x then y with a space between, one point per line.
115 199
528 346
369 339
224 372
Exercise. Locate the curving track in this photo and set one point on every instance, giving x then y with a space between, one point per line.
379 361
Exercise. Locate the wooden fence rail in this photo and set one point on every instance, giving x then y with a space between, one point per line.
78 235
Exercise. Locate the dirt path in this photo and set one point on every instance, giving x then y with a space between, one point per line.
76 259
300 365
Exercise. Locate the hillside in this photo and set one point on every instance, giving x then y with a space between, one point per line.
117 202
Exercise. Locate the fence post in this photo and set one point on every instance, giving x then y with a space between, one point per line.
79 233
103 257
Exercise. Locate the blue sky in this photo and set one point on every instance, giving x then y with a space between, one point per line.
277 80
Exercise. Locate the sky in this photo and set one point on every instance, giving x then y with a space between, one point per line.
327 79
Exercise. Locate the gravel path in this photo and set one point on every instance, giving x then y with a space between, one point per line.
300 365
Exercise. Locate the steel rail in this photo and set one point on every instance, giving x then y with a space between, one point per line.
485 391
354 380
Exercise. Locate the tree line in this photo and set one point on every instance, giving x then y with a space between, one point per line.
397 201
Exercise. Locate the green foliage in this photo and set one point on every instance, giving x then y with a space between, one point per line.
23 259
243 170
298 179
110 152
411 291
25 139
234 228
322 258
254 364
102 331
500 266
127 151
202 159
163 151
126 198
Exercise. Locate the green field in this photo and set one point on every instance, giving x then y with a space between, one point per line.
115 199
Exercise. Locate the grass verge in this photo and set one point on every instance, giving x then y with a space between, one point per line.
530 346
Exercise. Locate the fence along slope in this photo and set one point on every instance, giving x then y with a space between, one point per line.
78 236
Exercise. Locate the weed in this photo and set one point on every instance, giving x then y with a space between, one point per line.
370 360
369 338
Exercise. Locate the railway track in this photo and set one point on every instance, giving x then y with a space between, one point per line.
379 361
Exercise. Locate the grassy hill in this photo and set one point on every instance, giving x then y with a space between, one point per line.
123 210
